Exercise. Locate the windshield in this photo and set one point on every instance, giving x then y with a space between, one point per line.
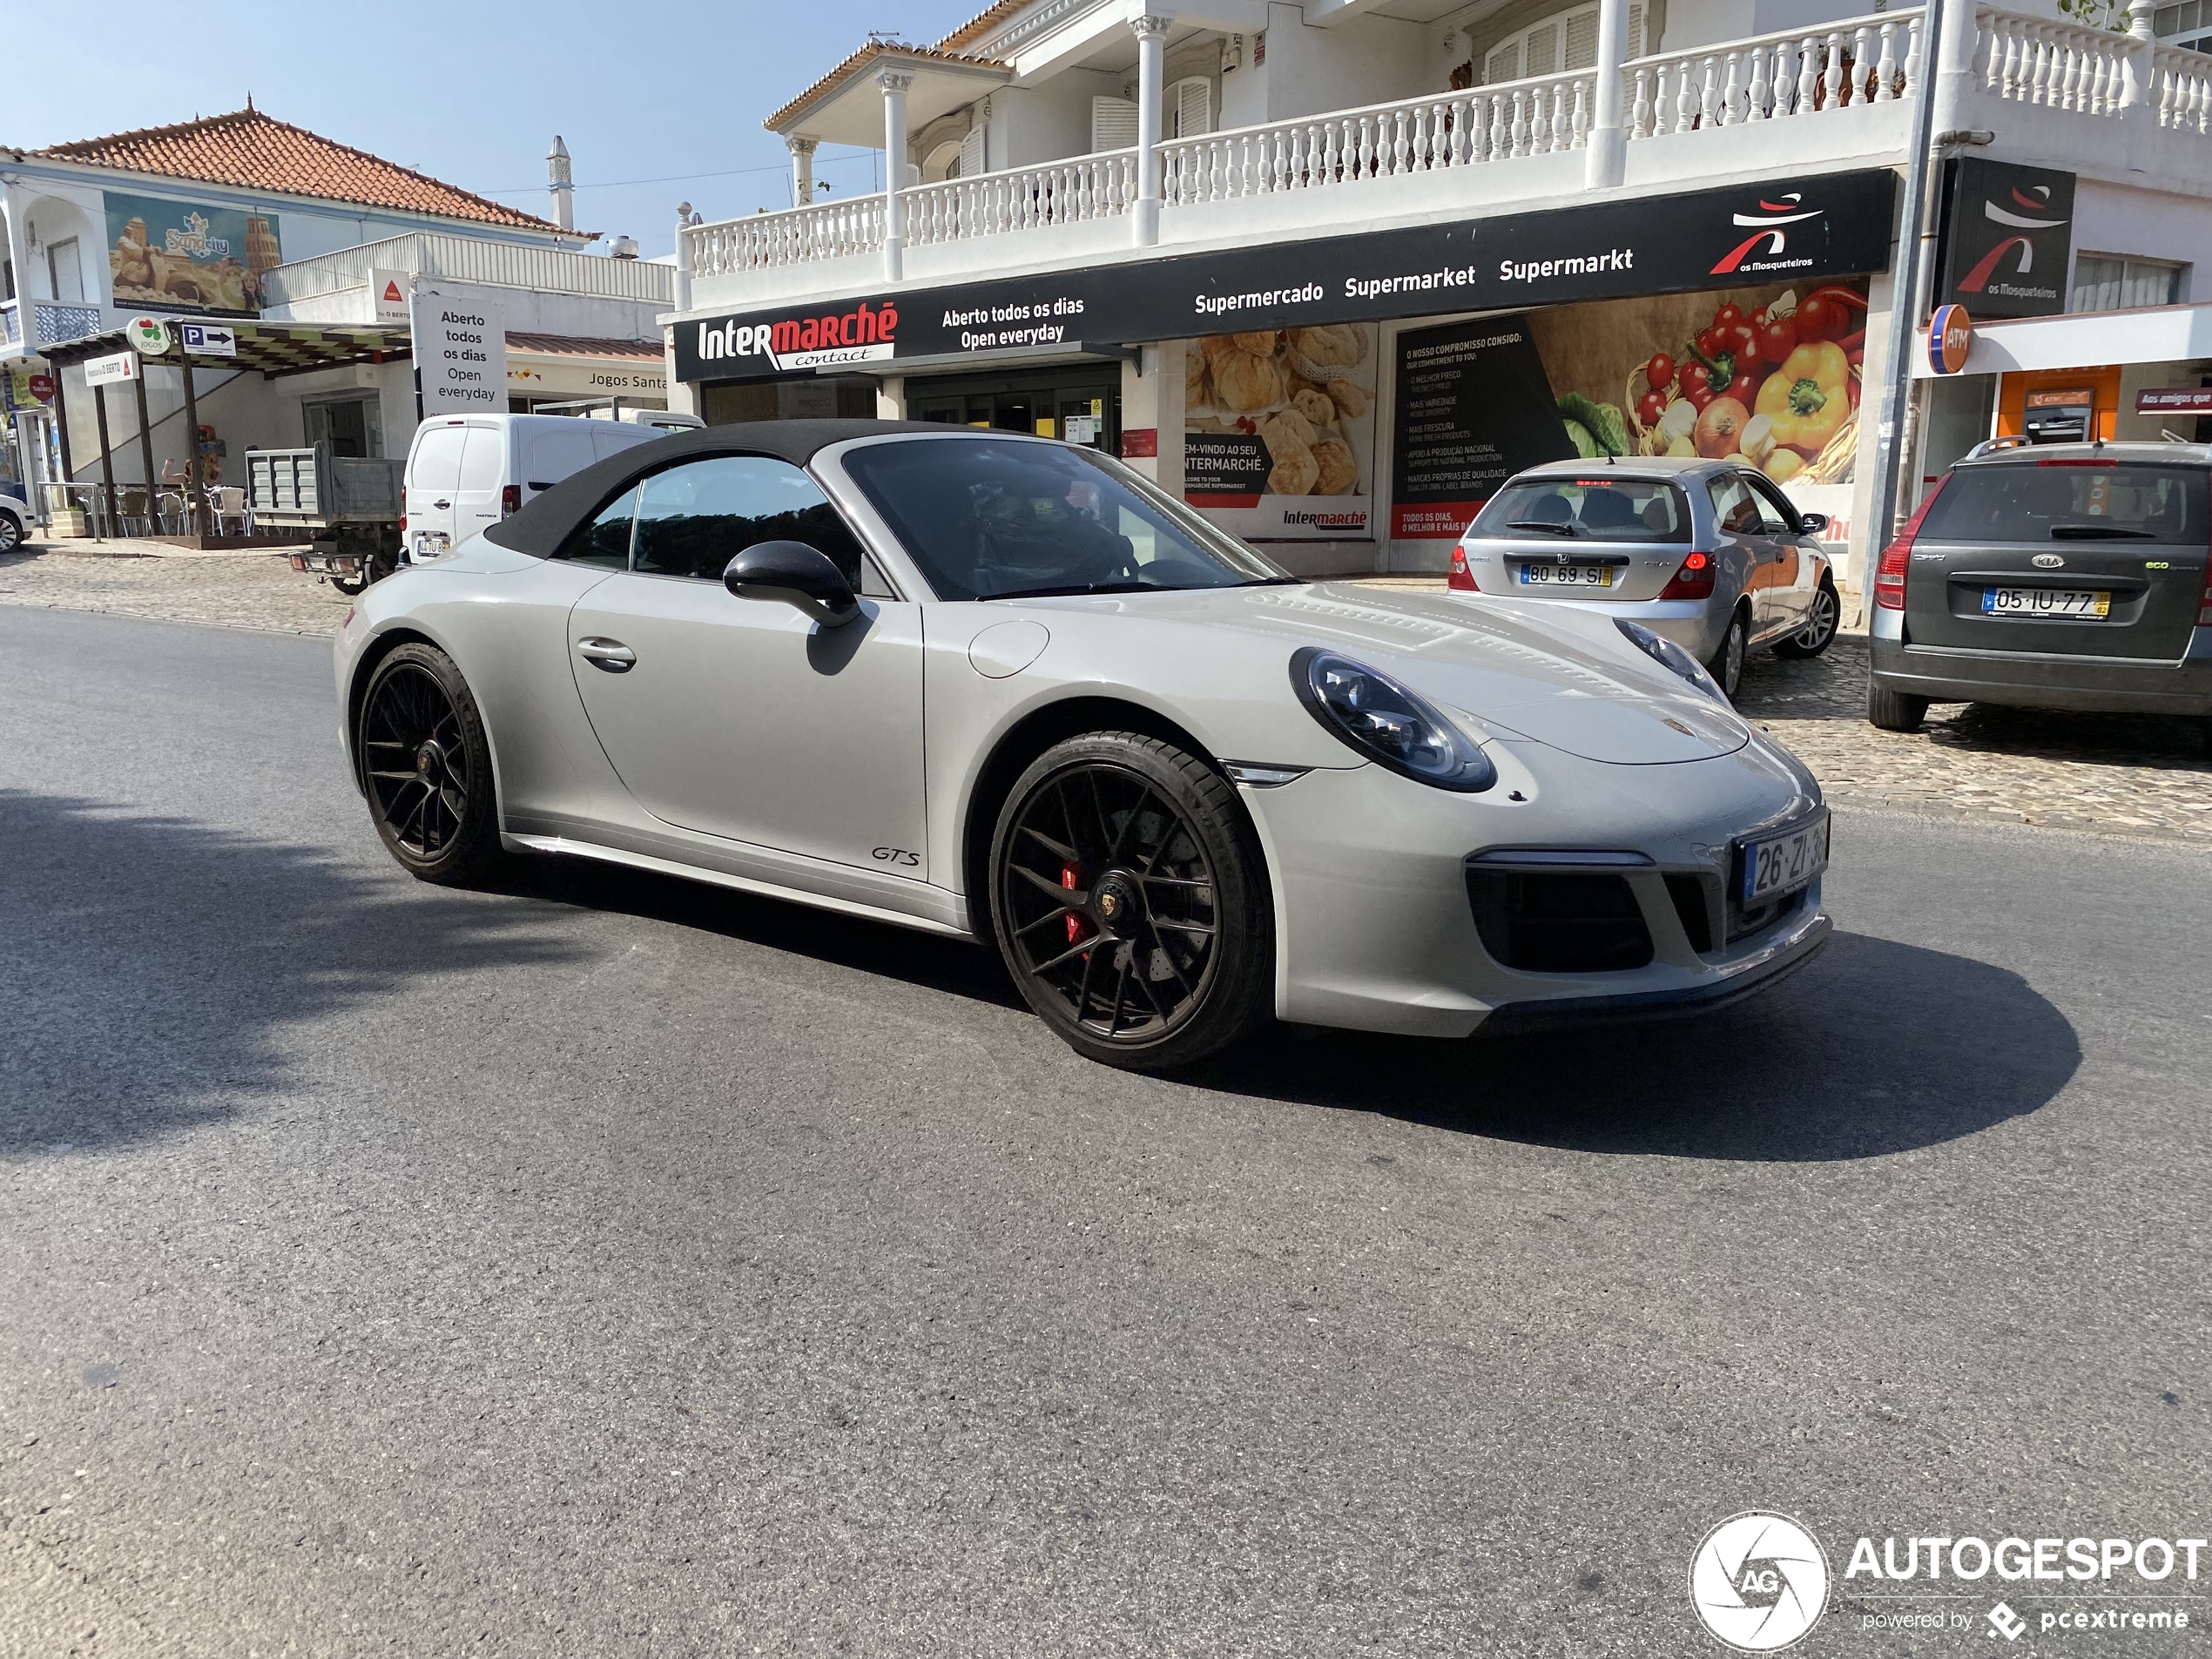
998 519
2059 501
1593 509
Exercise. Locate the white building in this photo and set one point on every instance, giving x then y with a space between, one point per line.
246 219
1331 270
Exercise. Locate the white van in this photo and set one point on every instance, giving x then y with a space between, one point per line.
465 472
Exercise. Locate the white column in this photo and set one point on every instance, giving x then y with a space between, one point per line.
890 398
894 83
2136 98
1605 162
1151 43
802 168
683 256
561 184
1957 33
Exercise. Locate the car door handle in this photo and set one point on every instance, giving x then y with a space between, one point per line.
441 505
609 654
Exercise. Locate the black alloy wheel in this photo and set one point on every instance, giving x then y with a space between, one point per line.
1727 666
1130 901
426 767
1820 629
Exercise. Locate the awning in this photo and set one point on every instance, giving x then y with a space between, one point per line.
274 349
2087 340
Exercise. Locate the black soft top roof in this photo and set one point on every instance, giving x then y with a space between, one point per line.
541 528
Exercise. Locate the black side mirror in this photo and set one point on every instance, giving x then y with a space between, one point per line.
1815 523
797 574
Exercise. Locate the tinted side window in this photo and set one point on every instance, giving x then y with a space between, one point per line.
437 459
1778 517
1734 506
605 540
693 520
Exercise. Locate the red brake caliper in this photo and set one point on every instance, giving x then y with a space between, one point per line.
1075 922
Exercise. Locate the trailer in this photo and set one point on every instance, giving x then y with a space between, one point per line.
349 505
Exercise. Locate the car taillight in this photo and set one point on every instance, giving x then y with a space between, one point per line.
1888 574
1693 581
1461 580
510 500
298 561
402 524
2204 599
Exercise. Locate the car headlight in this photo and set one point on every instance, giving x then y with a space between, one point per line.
1388 724
1668 654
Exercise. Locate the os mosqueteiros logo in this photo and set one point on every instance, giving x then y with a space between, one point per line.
1760 1582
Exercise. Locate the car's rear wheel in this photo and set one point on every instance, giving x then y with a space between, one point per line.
426 767
1895 711
10 533
1130 901
1727 666
1819 631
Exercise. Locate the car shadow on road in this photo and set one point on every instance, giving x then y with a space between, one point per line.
149 965
1877 1048
957 966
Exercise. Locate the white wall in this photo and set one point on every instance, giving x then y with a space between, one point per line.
527 311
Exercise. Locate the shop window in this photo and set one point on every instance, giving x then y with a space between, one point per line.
1566 41
1113 124
2105 282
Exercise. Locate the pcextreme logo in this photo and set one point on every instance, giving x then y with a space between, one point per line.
2028 209
1758 1581
1790 210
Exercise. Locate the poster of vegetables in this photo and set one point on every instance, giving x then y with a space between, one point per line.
1769 374
1278 431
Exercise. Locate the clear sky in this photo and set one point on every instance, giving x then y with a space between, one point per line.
659 102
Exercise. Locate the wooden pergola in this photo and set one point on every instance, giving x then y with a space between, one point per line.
275 349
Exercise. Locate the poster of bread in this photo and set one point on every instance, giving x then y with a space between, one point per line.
187 256
1279 431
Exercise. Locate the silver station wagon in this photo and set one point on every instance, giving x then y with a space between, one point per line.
1709 554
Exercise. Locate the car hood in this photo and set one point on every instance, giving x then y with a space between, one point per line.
1513 670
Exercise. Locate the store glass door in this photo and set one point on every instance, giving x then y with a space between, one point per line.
1080 403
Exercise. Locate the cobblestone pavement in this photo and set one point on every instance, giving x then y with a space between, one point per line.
2121 775
253 589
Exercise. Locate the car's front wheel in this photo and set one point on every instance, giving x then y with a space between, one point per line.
10 533
1130 901
1819 631
426 765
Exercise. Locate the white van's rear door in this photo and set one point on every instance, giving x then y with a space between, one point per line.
483 470
433 483
553 449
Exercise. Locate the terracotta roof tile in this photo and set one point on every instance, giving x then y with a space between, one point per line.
256 151
980 24
869 54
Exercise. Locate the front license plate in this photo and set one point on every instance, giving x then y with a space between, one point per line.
1784 863
1566 576
2078 603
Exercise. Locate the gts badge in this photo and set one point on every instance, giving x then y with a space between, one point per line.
897 855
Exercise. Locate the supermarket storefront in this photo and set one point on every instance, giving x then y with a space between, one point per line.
1362 395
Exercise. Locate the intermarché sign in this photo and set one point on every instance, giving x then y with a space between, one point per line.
1783 230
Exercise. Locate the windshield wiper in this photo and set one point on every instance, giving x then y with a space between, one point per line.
1549 526
1082 588
2100 533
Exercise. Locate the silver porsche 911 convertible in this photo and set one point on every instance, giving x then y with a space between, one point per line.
993 686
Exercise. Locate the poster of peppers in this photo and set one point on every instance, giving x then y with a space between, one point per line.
1769 375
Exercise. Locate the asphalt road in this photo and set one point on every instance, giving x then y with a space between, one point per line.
610 1266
